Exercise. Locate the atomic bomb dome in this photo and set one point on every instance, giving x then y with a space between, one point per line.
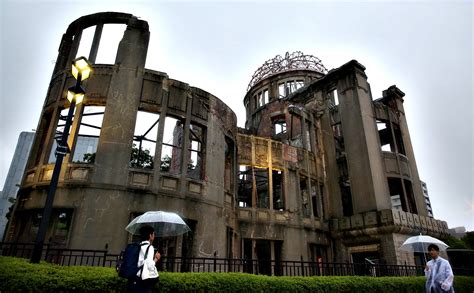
294 61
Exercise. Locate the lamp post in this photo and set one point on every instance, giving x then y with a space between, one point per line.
81 70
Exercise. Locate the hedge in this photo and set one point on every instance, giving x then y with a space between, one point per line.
18 275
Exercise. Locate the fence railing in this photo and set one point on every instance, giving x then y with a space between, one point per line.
285 268
61 256
82 257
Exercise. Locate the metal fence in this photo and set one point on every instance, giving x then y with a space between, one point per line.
285 268
81 257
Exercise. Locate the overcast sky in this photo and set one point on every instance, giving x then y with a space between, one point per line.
425 48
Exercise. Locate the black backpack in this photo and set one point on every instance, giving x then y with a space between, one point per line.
127 263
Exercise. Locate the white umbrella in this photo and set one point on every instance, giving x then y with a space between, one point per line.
420 243
165 223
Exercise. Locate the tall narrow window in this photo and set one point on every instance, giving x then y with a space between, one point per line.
172 145
410 197
398 139
89 133
196 160
385 136
296 131
338 140
279 125
315 199
346 194
245 186
86 42
36 217
308 136
305 197
261 102
62 225
230 243
112 34
229 165
277 186
281 90
265 97
318 255
335 97
261 185
144 140
321 195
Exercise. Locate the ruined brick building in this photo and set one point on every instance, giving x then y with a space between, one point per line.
312 176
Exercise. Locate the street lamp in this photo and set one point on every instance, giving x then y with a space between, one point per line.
81 70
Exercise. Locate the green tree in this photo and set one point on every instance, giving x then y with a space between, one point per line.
468 239
89 158
165 163
141 158
138 159
454 242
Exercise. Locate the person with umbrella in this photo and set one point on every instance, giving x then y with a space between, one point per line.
438 272
147 276
150 225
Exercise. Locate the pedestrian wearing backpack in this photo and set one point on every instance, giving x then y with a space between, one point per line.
147 276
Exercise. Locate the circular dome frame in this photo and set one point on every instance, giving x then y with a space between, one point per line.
294 61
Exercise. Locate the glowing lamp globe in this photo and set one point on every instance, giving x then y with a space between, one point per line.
81 66
75 94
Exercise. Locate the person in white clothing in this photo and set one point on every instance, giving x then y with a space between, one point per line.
147 276
438 272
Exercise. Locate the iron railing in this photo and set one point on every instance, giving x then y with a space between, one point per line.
83 257
61 256
285 268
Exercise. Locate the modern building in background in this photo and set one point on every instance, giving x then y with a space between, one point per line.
424 188
14 176
457 232
312 176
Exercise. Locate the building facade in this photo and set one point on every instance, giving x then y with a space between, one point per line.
14 176
311 176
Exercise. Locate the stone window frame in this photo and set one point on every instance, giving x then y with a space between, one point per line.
289 85
199 151
261 98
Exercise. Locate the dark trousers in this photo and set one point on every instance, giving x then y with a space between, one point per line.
138 285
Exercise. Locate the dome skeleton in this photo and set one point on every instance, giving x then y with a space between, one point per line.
294 61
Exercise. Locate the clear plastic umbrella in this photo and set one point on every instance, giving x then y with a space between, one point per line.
166 224
420 243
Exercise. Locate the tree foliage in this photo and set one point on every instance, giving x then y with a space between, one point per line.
454 242
141 158
89 158
468 239
165 163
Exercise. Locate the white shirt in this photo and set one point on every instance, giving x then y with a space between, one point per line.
149 268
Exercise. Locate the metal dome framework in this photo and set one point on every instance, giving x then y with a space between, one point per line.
294 61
